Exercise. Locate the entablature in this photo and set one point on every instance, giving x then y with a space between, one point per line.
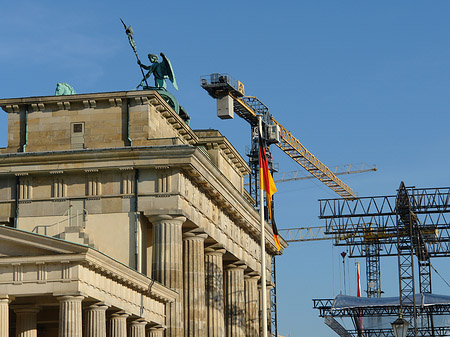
180 158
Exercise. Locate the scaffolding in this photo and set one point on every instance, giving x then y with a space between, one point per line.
411 225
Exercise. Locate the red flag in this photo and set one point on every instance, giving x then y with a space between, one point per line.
358 294
268 185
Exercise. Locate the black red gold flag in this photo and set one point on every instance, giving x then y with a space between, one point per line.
268 185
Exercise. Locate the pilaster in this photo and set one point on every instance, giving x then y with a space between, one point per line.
194 283
214 290
234 300
167 266
70 321
95 325
26 321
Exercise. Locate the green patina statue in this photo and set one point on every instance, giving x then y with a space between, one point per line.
160 71
64 89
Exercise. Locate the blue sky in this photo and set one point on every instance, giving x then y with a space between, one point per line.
354 81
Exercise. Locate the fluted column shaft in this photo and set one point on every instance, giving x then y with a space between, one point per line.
4 316
234 301
137 328
26 322
194 284
214 291
167 266
251 305
96 320
118 325
70 321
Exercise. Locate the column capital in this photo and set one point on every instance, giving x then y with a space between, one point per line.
166 217
235 265
98 305
216 248
70 297
6 298
253 275
26 309
139 321
195 234
120 314
269 284
157 327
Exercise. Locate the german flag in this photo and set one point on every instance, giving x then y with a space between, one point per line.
268 185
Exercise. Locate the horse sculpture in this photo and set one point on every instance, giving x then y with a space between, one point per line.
64 89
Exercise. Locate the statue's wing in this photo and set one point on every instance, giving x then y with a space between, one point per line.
169 70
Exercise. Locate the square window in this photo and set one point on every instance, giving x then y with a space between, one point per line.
78 127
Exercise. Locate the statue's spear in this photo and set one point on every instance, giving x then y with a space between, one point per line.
129 32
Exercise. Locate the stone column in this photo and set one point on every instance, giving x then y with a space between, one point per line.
70 321
26 321
137 328
167 266
117 326
96 320
214 290
251 305
194 283
4 315
234 300
155 331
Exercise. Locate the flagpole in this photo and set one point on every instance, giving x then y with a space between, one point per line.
263 248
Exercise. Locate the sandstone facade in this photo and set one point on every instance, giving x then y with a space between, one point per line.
123 179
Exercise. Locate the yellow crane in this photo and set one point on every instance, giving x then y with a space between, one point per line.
280 177
231 100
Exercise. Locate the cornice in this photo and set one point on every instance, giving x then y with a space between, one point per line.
105 266
213 138
125 275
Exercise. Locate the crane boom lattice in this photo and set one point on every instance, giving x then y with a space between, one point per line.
294 149
338 170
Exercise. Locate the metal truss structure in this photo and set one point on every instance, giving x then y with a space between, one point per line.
412 225
325 310
354 223
273 300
